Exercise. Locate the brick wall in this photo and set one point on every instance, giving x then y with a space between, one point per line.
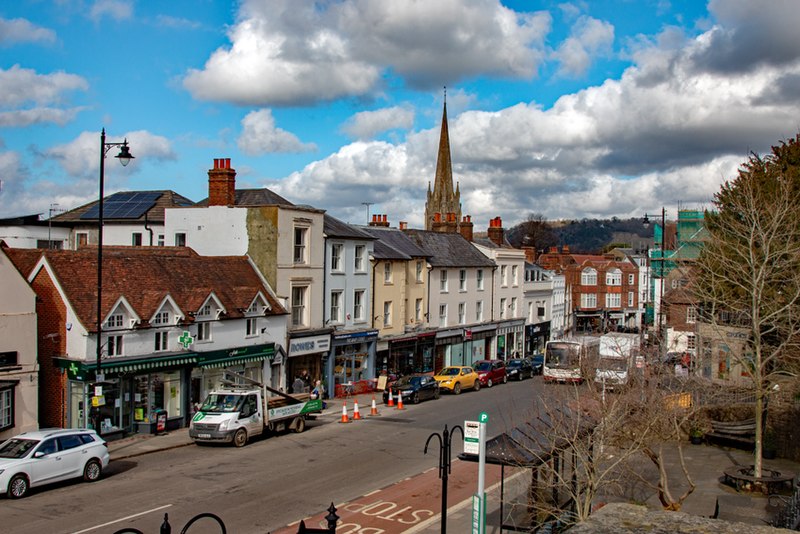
52 318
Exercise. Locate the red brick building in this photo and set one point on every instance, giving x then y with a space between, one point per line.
604 290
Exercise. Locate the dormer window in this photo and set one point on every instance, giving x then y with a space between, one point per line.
115 321
205 311
161 318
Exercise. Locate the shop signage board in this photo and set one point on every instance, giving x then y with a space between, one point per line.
472 435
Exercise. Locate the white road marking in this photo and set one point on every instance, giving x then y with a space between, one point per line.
122 519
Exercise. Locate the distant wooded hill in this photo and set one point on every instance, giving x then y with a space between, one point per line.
585 236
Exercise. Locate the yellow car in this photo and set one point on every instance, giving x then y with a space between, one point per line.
458 378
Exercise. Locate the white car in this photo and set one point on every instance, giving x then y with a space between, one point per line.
36 458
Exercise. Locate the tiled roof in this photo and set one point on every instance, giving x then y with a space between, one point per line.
393 244
144 276
449 249
333 227
168 199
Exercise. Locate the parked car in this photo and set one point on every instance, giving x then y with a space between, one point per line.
457 378
537 362
36 458
491 372
413 388
519 369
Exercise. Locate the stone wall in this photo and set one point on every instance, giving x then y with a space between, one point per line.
629 518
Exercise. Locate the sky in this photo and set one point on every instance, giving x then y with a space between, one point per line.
571 110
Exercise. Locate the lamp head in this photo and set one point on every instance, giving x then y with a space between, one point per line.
124 155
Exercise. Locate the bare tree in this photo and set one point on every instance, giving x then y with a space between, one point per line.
748 274
536 232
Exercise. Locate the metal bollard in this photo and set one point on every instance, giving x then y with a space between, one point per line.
165 526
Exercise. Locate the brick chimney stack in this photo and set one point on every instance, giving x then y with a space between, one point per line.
222 183
438 225
379 220
530 254
495 231
403 225
465 228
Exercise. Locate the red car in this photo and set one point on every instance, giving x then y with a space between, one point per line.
491 372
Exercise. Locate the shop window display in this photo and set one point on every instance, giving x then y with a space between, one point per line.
156 391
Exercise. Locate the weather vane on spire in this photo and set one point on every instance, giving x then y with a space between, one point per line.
445 94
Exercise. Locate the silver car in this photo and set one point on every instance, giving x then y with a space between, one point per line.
37 458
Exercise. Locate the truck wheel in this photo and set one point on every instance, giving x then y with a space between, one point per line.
240 438
299 425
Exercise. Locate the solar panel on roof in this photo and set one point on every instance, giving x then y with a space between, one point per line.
125 205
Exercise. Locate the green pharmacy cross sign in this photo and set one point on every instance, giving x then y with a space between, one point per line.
186 339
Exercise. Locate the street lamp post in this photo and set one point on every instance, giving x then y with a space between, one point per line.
124 157
660 315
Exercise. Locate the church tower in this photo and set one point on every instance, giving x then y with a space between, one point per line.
443 207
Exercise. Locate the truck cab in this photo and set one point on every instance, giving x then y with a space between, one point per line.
231 416
237 412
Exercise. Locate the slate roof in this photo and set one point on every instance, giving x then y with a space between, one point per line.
333 227
393 244
168 199
24 220
448 249
144 276
255 197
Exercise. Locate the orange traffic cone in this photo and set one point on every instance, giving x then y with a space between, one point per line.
356 414
391 400
374 410
400 400
344 413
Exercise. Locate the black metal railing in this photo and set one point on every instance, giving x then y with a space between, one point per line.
166 528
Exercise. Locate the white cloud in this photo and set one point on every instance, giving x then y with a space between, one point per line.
81 157
19 86
14 31
292 52
367 124
589 37
28 117
261 136
116 9
176 22
668 132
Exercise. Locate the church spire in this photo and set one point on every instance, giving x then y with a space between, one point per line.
443 200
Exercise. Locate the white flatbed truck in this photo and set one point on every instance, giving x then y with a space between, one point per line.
237 412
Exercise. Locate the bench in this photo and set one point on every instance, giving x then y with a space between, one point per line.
741 433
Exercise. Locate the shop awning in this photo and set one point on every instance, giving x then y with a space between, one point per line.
85 369
223 358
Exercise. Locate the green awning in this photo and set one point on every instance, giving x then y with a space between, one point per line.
224 358
85 370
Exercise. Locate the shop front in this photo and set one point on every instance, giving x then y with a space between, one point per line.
130 395
410 354
478 342
510 339
536 335
449 348
252 362
306 358
351 369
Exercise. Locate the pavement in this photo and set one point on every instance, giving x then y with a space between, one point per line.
413 505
